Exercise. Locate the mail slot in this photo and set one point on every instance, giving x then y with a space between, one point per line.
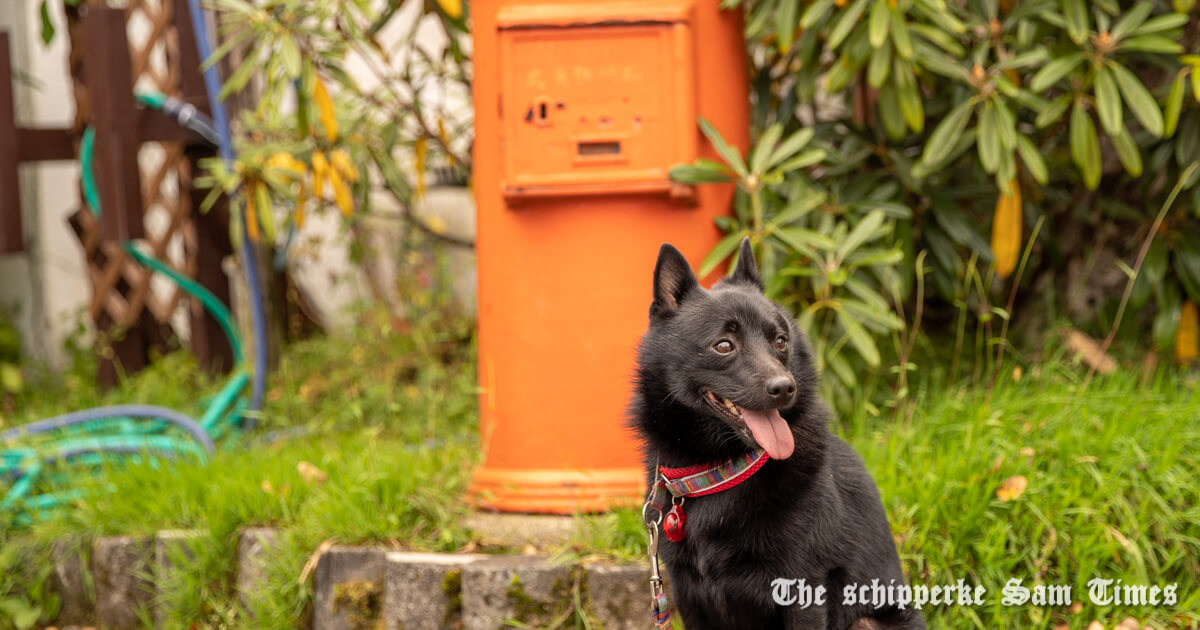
581 110
605 92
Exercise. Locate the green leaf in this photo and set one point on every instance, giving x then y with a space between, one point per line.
1075 12
878 23
946 134
883 320
842 370
875 256
1155 264
815 12
1054 70
864 231
805 159
1174 105
1139 99
787 15
1032 158
47 23
1187 267
289 50
727 153
1127 152
1108 102
1053 111
1166 320
859 337
1027 58
939 38
798 209
879 66
696 174
240 77
845 24
790 146
764 148
839 77
720 252
889 113
939 62
867 293
804 240
1151 44
989 139
900 36
1085 146
1161 23
909 94
1132 19
1006 124
953 220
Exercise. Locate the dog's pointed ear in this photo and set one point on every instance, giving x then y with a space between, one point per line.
746 271
673 280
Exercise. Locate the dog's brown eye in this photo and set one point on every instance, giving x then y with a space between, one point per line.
781 343
723 346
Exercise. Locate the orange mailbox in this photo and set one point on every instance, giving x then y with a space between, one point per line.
581 108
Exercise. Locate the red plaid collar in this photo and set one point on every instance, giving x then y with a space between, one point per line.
700 480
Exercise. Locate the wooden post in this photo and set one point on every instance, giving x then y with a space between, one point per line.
11 232
109 81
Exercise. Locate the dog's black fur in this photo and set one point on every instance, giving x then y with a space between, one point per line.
815 515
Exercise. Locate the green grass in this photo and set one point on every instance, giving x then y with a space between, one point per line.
388 416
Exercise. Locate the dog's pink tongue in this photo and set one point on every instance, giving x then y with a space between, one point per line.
771 432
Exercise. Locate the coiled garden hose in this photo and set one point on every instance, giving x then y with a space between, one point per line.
95 434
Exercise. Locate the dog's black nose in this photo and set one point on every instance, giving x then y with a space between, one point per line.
781 388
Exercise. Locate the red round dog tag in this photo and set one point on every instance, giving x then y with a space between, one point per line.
675 524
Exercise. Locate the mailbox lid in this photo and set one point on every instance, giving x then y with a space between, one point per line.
595 98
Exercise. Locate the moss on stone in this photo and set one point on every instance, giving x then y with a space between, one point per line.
452 589
361 600
530 610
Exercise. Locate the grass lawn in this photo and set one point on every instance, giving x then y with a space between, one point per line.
387 420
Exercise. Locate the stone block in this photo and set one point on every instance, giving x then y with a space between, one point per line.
348 585
525 589
123 580
254 549
424 590
619 595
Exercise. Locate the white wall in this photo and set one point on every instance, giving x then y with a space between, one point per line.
48 282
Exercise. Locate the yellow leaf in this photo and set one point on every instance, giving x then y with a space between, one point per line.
445 140
319 168
1006 229
311 473
1012 488
1087 348
325 109
438 225
419 158
291 167
340 160
341 192
452 8
301 199
251 215
1187 335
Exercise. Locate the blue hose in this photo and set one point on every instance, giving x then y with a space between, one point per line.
258 319
128 411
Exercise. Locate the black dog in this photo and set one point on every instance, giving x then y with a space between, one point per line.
723 373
